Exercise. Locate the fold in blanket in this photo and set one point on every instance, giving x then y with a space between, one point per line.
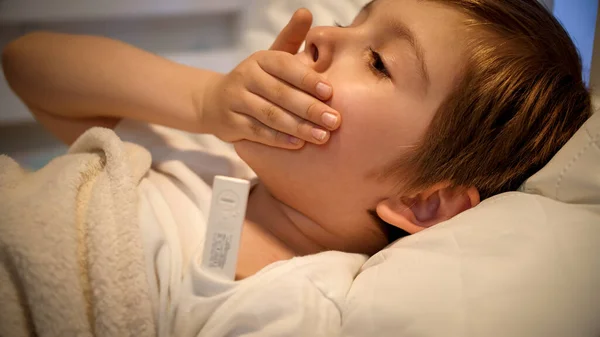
71 255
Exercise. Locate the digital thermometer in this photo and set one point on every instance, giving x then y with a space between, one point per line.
224 226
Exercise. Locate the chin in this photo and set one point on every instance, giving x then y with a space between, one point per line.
295 168
267 160
261 158
289 175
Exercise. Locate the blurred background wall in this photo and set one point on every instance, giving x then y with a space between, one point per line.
204 33
201 33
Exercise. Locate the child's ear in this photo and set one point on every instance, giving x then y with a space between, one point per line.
428 208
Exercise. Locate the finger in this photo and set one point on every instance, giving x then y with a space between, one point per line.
260 133
294 101
284 121
294 72
294 33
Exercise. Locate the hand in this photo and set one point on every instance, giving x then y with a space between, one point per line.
273 98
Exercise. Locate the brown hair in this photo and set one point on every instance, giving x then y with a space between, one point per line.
520 98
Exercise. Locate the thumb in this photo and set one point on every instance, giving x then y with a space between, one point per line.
294 33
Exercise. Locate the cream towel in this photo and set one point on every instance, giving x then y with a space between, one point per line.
71 256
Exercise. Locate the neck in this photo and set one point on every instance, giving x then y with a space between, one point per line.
272 232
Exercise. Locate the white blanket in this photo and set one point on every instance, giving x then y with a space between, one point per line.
71 261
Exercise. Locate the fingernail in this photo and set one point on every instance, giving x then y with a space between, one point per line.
319 134
329 119
294 140
323 90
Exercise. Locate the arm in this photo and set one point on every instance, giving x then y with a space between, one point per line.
71 83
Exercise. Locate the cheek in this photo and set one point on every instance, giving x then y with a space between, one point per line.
377 126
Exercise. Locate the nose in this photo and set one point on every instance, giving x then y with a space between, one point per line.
321 43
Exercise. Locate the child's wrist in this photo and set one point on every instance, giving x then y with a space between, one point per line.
206 104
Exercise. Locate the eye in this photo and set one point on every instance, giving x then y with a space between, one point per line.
375 61
377 65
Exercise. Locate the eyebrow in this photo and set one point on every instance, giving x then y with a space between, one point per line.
402 31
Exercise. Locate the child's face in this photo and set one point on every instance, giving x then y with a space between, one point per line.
390 70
